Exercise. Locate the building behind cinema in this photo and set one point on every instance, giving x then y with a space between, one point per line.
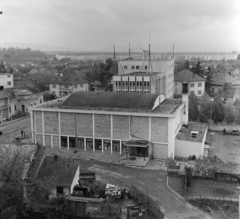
140 124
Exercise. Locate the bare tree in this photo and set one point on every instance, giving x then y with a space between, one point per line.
14 161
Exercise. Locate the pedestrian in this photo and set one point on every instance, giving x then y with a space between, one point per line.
224 131
22 134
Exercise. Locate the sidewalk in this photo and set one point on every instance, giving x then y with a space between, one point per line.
108 158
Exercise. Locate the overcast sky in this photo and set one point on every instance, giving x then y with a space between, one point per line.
97 25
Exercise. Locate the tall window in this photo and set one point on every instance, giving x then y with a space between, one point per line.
54 86
145 66
199 92
137 67
75 85
192 85
133 67
125 67
9 82
199 84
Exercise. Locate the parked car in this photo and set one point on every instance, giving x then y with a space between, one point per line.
233 132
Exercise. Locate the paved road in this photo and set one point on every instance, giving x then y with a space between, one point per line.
152 181
13 128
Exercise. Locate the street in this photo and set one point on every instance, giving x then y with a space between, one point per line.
12 129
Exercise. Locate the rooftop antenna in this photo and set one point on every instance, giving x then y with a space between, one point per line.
129 44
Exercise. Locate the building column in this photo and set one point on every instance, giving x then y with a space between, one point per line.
43 131
59 129
111 146
93 144
85 144
120 147
68 142
51 141
102 145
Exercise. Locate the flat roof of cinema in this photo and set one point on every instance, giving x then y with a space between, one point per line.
111 101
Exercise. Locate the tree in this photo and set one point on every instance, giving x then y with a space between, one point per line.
193 107
13 161
205 109
229 115
217 111
208 81
186 66
11 201
198 69
110 211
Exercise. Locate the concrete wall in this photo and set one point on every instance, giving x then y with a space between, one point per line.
68 125
159 129
75 180
121 127
187 148
51 122
139 127
84 124
160 151
102 126
5 78
38 121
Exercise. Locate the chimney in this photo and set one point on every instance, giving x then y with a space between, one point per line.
185 100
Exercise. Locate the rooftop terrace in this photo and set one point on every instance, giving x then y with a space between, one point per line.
186 135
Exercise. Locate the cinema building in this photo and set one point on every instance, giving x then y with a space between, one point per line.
140 124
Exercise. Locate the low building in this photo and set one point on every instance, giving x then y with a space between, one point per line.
219 79
190 140
68 84
21 98
62 174
6 78
196 84
142 76
4 104
109 122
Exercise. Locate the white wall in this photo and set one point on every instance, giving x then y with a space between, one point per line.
75 180
70 89
195 89
188 148
5 78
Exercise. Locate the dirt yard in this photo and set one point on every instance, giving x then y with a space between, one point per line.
226 147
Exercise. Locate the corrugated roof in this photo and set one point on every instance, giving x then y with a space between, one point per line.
187 76
222 78
20 91
111 100
3 94
60 171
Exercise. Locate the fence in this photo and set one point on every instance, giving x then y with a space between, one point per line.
144 200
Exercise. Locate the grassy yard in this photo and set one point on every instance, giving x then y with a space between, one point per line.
226 147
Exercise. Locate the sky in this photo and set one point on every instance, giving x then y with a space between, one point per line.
98 25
